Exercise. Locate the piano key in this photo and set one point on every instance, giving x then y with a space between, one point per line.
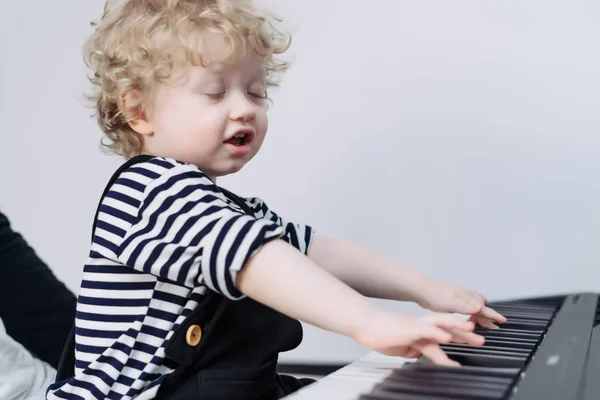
508 344
507 333
525 304
530 325
483 360
529 315
484 350
441 385
503 329
447 381
352 380
454 374
547 314
523 308
542 318
449 391
510 339
528 319
426 366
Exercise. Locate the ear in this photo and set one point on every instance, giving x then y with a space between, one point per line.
140 124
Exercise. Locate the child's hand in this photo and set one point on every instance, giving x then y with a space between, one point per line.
442 297
400 335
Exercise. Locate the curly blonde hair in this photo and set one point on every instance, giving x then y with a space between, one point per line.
138 43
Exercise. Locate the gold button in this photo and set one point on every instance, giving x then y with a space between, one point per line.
193 336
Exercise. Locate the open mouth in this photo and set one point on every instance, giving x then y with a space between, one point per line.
240 139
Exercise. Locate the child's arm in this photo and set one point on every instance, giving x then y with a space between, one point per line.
284 279
376 276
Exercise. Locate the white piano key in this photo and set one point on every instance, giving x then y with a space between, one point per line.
349 382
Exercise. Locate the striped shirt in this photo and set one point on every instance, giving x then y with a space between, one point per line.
165 234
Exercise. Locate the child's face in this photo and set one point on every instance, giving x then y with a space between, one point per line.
196 118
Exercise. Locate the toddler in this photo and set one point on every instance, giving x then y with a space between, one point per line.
191 291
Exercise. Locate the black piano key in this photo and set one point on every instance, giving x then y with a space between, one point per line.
494 336
447 381
484 350
449 391
522 313
512 324
525 321
528 315
526 305
425 366
546 315
523 308
545 319
537 332
507 333
454 374
483 360
509 344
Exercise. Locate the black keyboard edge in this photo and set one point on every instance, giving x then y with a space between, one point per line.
555 370
591 387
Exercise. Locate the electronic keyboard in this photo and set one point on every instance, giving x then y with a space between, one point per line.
549 349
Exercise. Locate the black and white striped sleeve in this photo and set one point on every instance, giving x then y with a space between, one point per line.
186 232
298 235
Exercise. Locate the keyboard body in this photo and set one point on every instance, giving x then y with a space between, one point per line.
549 349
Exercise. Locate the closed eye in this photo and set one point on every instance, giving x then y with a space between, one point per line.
262 95
215 96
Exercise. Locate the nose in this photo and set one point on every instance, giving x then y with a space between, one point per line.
242 109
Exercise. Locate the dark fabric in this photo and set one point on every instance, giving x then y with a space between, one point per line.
237 356
36 308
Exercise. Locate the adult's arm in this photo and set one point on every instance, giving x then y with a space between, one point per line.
37 309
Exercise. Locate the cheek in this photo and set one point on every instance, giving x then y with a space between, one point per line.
170 116
186 120
262 121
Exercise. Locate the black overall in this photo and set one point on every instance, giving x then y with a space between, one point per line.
236 357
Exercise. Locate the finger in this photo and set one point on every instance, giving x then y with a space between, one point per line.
485 322
472 307
412 353
478 299
434 353
467 338
492 314
448 321
430 333
400 351
467 303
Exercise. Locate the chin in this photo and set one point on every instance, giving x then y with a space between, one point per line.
232 169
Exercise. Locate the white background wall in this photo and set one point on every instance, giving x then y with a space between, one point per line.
459 137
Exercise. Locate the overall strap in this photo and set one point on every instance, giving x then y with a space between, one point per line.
237 200
132 161
66 365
